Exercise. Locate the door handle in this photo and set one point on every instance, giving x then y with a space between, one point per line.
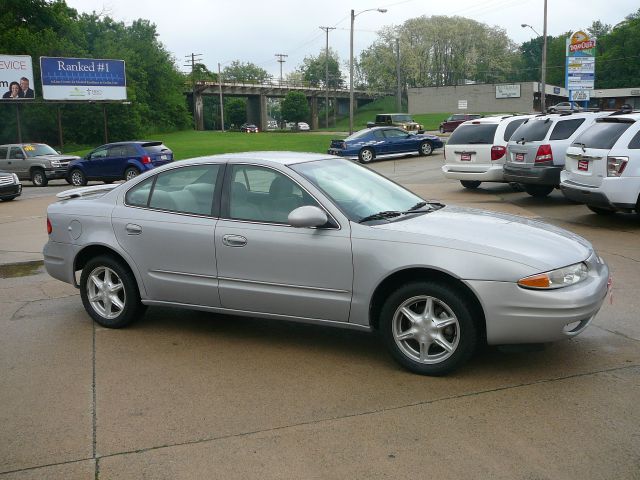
234 240
133 229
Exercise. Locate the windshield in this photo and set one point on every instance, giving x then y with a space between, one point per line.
36 149
532 131
357 191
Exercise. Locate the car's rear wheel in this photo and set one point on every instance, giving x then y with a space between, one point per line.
109 292
600 210
366 155
426 148
441 129
130 173
38 177
77 178
471 184
7 199
428 327
538 191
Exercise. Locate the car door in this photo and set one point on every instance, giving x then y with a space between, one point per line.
114 162
399 141
94 166
166 224
17 162
268 266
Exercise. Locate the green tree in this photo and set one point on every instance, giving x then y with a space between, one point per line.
295 107
235 111
240 72
313 69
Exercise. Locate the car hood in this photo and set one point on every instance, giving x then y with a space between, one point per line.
529 242
59 158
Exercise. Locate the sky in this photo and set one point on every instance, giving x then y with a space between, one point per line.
255 30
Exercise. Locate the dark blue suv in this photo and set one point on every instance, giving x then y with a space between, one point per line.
117 161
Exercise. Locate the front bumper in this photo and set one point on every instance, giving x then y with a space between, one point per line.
10 191
56 173
479 172
543 175
617 193
517 315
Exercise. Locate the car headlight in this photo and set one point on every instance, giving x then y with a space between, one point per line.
562 277
15 178
55 163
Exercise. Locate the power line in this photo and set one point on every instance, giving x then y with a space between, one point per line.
281 60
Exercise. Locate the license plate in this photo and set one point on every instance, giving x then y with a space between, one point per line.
164 157
519 157
465 157
583 165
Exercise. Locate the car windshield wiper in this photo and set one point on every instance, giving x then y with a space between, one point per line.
581 145
421 205
520 141
381 216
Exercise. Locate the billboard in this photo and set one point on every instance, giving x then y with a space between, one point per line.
581 62
508 91
16 77
83 79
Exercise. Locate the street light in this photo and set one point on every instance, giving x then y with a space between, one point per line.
353 17
543 73
525 25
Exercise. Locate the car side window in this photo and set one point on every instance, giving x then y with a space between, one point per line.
3 152
99 153
138 196
395 133
185 190
116 151
634 144
130 151
261 194
378 135
511 127
16 153
565 128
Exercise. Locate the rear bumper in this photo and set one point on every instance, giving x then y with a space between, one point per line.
615 193
340 153
58 260
10 191
544 175
479 172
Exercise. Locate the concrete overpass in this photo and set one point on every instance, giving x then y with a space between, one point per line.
257 95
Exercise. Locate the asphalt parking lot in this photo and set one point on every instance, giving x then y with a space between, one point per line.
184 394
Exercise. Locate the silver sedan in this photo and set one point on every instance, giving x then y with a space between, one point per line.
311 238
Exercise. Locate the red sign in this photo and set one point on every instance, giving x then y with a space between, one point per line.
583 165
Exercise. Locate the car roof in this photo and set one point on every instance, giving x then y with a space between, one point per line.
280 158
562 116
21 144
496 119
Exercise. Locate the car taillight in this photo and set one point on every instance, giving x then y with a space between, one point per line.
49 227
616 165
497 152
146 159
544 155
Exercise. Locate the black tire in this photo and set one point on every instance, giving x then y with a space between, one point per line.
366 155
538 191
38 177
600 210
68 180
516 187
131 172
463 337
470 184
426 148
77 178
108 182
8 199
130 298
441 130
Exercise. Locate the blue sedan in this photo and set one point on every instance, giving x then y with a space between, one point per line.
369 143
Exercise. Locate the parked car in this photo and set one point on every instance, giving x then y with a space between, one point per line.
564 107
370 143
451 123
603 165
118 161
10 186
476 150
37 162
317 239
401 120
536 150
303 127
290 125
249 128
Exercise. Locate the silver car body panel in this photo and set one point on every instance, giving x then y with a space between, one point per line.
330 275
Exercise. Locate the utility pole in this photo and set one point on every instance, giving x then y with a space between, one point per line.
543 75
281 60
326 77
220 93
194 57
399 94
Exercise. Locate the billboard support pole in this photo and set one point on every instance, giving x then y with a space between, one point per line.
18 123
106 130
60 139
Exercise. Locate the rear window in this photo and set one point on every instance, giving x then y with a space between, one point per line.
532 131
481 134
155 148
565 128
512 128
602 135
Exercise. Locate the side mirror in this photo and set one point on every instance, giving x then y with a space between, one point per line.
371 124
307 217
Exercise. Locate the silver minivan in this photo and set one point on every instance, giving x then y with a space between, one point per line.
536 150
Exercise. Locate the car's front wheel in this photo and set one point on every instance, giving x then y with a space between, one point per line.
471 184
426 148
77 178
538 191
130 173
109 292
39 178
366 155
600 210
428 327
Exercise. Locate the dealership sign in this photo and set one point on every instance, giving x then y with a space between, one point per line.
81 79
581 62
508 91
16 77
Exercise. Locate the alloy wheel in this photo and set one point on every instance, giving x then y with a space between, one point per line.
106 293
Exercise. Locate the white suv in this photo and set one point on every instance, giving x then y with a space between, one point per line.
603 165
536 150
476 149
